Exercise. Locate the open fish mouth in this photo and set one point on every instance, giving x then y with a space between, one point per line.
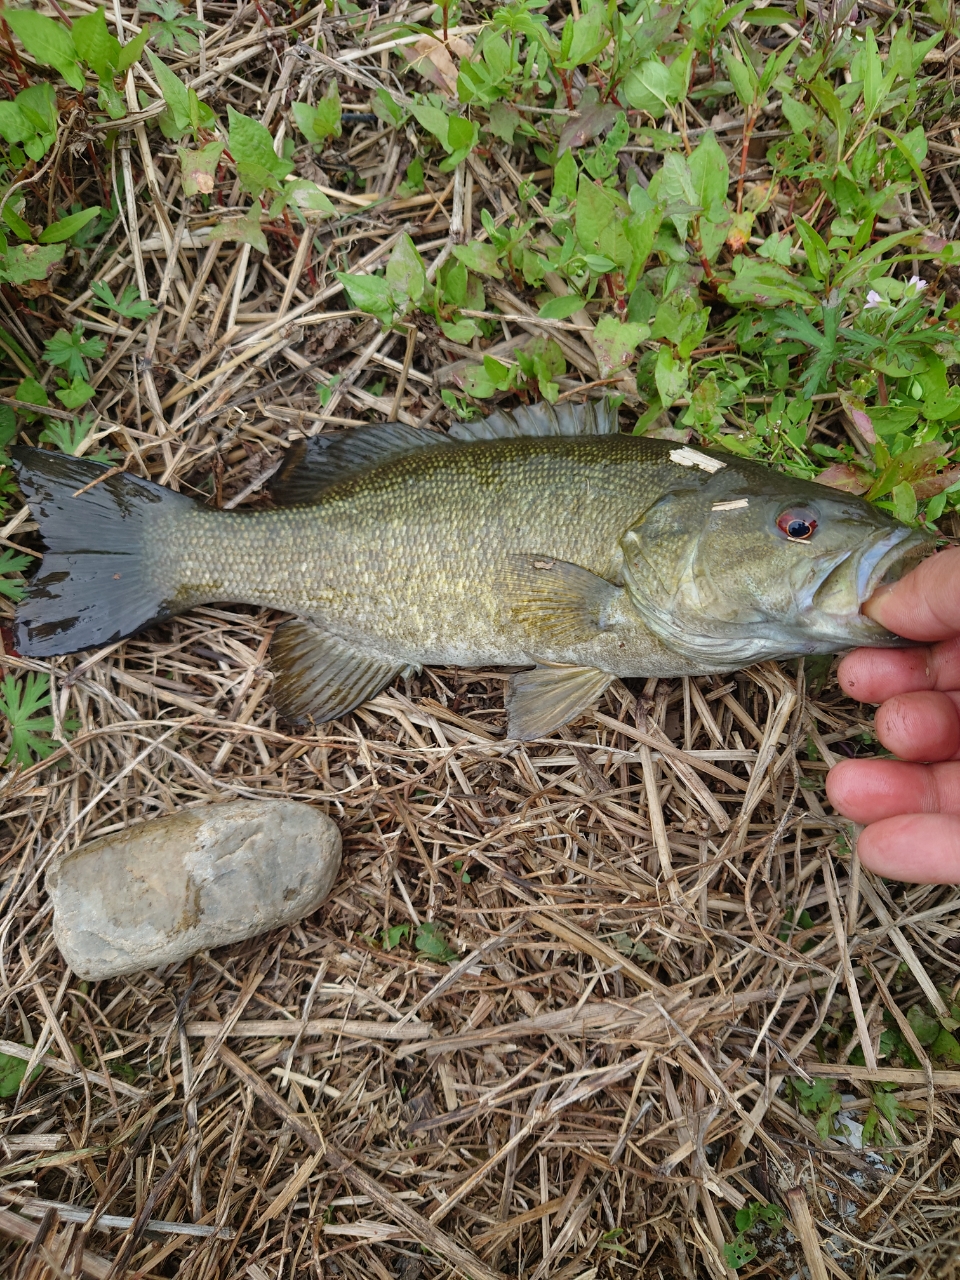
889 559
854 576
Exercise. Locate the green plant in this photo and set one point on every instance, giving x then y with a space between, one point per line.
741 1251
322 121
12 562
22 702
12 1071
70 351
391 937
175 26
431 941
129 305
819 1100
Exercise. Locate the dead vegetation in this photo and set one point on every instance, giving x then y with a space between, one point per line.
548 1022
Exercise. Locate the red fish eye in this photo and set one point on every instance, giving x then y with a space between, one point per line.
797 524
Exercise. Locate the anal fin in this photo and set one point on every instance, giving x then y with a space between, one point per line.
320 677
546 697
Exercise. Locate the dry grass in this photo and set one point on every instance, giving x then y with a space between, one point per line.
594 1086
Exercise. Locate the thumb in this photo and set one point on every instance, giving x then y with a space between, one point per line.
923 605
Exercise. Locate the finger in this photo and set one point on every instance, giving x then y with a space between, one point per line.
869 790
923 848
921 726
873 675
924 605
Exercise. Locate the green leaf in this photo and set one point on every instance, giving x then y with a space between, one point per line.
742 77
15 222
258 166
386 109
405 272
175 27
583 38
432 943
70 351
31 119
75 393
68 437
12 1071
20 701
391 937
763 283
599 222
777 248
925 1028
49 42
130 53
29 262
129 304
433 120
800 117
710 172
245 230
479 257
66 228
561 308
369 293
198 167
95 44
649 88
174 92
672 375
615 343
818 256
303 196
904 502
29 391
322 121
11 562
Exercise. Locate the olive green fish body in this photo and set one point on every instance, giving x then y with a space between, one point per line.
541 538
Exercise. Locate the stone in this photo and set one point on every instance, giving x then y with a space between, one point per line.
161 891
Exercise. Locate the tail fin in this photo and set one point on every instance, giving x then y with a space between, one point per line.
96 584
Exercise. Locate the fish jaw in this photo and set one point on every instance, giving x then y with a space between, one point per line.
833 605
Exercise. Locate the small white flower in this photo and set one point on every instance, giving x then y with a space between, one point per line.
874 300
916 284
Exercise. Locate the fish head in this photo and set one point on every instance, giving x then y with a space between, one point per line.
740 563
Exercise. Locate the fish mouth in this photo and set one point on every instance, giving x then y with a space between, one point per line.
852 578
889 559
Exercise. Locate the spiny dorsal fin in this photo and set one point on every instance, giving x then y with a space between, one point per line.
319 676
312 465
545 698
594 418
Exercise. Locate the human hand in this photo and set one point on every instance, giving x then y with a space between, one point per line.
911 805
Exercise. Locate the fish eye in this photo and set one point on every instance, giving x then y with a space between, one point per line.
797 524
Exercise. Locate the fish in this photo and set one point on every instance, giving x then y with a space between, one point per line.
542 539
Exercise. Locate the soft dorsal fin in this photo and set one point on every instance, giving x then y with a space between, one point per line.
593 418
314 464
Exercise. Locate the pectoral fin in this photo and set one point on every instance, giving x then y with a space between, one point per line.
555 602
319 676
544 698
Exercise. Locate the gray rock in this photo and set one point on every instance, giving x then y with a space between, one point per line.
170 887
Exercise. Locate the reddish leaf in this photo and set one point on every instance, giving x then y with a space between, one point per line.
936 484
842 476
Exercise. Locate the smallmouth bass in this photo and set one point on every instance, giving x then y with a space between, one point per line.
542 538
